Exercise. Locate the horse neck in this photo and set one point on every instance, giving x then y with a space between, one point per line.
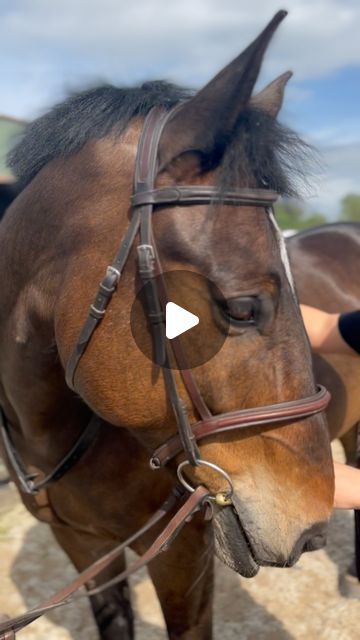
70 206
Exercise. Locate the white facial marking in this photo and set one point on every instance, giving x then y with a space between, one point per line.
283 250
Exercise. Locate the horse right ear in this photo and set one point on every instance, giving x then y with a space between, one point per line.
206 122
271 98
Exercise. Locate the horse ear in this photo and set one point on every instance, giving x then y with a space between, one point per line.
205 123
271 98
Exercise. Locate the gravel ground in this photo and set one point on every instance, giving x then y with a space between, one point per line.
304 602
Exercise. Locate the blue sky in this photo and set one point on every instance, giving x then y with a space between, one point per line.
330 108
49 47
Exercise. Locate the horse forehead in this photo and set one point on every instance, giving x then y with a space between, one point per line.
114 152
225 234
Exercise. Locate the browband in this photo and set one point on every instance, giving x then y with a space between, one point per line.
195 194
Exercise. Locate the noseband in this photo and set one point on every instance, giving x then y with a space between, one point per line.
144 200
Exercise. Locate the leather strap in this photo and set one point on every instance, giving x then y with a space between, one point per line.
282 412
8 635
144 175
105 292
149 268
186 374
195 194
193 503
27 481
156 317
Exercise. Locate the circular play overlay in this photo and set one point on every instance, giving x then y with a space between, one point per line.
193 321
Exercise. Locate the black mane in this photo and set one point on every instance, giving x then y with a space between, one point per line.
260 148
266 152
89 115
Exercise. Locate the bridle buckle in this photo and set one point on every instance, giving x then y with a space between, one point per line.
146 257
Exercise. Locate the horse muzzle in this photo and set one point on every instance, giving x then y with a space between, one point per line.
241 550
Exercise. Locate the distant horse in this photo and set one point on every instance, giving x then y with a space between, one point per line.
8 193
325 263
76 165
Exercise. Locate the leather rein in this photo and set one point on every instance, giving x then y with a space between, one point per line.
145 198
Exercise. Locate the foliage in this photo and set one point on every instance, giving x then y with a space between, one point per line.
350 208
291 216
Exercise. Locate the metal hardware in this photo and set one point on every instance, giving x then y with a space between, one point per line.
112 271
221 498
26 480
155 464
28 485
146 256
97 313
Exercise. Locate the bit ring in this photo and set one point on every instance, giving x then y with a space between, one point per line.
222 498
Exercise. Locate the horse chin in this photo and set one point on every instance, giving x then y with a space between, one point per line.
231 544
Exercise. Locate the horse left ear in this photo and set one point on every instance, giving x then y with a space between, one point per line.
271 98
203 125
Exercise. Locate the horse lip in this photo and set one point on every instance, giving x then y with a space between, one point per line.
244 535
234 550
317 541
252 551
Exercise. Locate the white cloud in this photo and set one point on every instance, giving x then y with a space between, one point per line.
345 132
185 41
50 46
340 176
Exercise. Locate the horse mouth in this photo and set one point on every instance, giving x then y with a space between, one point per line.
232 546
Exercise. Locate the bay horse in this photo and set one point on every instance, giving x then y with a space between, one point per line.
76 165
324 263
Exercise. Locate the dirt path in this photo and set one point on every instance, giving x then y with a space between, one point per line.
299 603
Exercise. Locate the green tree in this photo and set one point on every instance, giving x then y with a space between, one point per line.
291 216
350 208
314 220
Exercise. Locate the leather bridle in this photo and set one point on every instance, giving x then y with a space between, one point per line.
146 197
144 200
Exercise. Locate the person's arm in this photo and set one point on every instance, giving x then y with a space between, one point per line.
337 333
332 332
347 487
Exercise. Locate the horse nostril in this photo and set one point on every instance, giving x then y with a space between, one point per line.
310 540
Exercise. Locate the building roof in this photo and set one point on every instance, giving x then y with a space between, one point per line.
10 128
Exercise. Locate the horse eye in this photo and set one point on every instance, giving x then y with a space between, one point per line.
264 181
243 311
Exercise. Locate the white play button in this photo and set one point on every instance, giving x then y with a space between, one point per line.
178 320
193 322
